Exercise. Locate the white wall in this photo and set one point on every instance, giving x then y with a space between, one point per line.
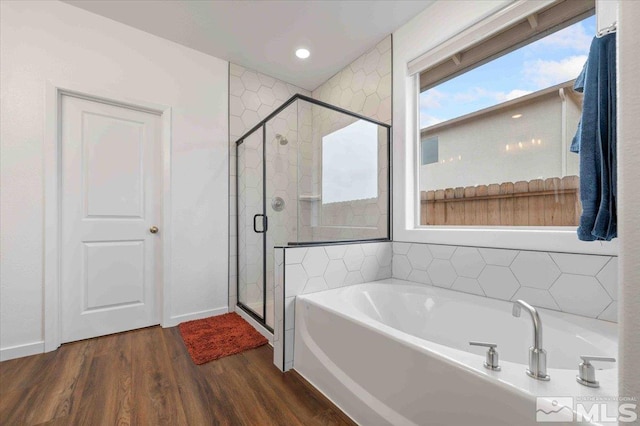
52 41
628 195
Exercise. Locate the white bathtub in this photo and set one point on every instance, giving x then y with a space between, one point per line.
391 352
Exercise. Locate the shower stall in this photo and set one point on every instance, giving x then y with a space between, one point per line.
310 173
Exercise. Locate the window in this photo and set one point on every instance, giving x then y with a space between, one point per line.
429 151
350 163
500 126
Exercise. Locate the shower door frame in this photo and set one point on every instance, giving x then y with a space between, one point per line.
265 221
265 227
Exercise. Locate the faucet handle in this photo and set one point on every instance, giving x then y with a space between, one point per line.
486 345
588 358
492 361
586 373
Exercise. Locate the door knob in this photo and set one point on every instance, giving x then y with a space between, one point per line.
153 229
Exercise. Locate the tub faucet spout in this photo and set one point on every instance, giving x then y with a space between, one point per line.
537 356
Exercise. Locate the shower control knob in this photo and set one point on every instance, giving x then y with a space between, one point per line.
277 204
493 360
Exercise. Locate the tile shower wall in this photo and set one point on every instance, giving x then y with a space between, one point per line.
281 164
574 283
363 87
252 97
304 270
350 220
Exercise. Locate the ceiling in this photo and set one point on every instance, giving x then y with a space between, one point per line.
263 35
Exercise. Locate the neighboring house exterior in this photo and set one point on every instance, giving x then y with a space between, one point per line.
519 140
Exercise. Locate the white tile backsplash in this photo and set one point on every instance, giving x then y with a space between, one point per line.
580 294
384 255
296 256
315 263
441 252
442 273
295 279
401 268
467 262
336 273
315 284
579 264
608 277
370 267
289 306
353 257
535 269
401 248
467 285
536 297
419 256
336 252
419 276
611 313
352 278
312 269
498 282
498 257
574 283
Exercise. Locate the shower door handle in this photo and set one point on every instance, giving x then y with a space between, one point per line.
265 223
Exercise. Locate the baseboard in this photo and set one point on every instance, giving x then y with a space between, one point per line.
175 320
20 351
255 324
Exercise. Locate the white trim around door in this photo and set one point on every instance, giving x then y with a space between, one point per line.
52 213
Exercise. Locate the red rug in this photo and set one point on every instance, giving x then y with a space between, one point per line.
211 338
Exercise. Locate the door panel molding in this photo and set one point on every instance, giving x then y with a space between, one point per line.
52 181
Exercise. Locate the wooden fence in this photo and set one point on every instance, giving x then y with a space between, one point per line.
548 202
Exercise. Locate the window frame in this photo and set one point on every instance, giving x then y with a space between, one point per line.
482 23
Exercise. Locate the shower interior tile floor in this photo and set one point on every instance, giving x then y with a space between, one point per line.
145 377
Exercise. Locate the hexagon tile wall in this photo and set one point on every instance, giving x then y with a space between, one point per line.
574 283
364 86
311 269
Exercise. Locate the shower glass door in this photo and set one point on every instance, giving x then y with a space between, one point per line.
252 223
281 193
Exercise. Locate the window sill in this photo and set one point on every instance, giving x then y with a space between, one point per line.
552 239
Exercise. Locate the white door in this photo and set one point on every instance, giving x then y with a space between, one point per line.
110 158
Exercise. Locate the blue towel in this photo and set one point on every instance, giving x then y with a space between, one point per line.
595 141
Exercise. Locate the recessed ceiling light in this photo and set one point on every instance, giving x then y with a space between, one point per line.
516 116
302 53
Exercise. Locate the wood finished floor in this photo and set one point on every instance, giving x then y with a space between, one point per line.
145 377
